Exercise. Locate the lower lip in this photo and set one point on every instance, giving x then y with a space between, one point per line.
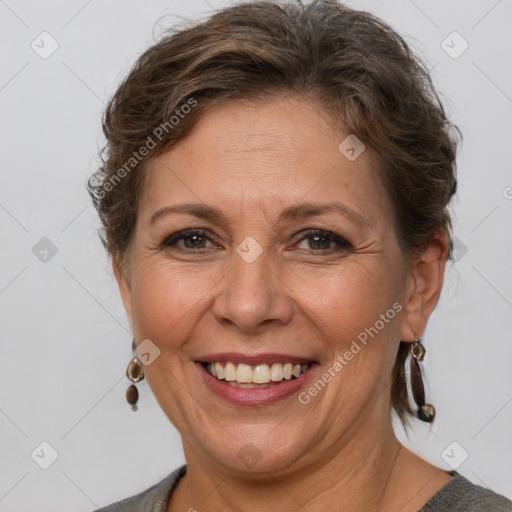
255 396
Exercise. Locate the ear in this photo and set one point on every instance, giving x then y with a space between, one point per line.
424 285
124 284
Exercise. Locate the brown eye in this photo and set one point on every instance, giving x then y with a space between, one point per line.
192 239
321 241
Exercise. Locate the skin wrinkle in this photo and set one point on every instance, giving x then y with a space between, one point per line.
284 301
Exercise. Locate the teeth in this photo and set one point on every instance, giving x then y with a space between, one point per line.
230 372
259 374
244 373
276 372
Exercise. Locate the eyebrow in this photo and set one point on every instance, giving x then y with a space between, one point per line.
305 210
196 209
298 211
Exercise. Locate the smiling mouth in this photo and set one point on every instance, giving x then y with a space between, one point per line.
258 376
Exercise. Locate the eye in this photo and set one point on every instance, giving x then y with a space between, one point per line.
197 240
322 241
193 239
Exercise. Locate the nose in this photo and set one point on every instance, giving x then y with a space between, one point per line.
252 296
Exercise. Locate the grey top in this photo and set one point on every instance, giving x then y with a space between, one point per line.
458 495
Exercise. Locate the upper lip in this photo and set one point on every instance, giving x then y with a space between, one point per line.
253 359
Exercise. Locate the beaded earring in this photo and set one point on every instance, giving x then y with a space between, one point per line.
135 372
426 412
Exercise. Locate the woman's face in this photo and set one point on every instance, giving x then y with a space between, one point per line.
275 275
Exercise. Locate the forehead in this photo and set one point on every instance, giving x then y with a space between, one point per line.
265 155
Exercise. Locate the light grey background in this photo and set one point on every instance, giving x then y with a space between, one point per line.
65 340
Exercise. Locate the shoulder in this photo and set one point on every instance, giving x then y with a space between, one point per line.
154 499
460 495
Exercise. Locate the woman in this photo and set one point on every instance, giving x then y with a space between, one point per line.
274 197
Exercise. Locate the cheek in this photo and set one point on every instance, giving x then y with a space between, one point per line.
350 299
167 301
356 312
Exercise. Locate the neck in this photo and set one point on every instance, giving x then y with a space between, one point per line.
354 475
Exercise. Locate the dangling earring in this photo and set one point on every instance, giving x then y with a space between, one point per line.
426 412
135 372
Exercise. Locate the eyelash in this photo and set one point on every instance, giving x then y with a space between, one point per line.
343 245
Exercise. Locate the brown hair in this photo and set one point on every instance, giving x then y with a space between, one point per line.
362 72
